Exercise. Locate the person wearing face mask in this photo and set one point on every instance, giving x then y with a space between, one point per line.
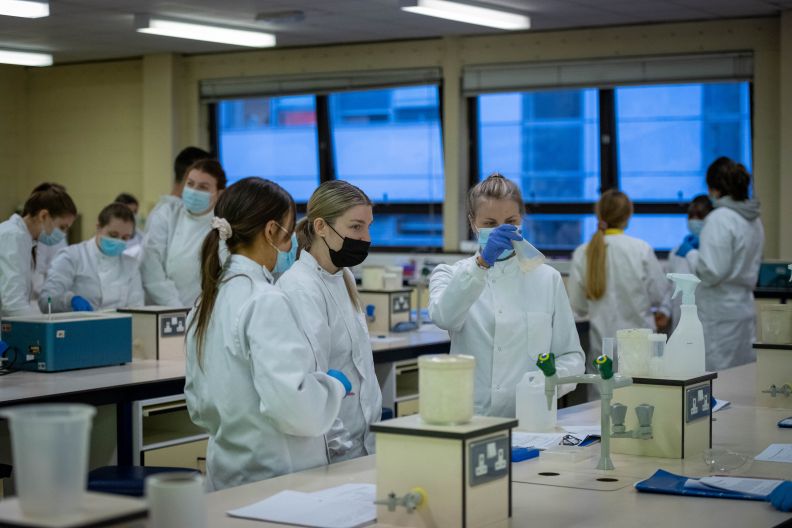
727 262
333 236
135 244
96 274
253 381
616 280
698 210
171 267
46 216
503 316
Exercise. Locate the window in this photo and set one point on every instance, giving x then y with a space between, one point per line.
270 137
386 141
658 142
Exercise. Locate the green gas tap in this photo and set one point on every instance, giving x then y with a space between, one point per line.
546 363
604 366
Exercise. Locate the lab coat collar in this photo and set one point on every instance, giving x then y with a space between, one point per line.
312 263
20 223
505 267
244 265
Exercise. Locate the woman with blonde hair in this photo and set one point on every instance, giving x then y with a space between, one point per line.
616 279
334 236
503 316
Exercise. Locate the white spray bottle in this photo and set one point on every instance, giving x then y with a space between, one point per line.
684 353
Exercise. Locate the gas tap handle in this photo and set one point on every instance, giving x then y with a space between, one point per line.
546 363
604 366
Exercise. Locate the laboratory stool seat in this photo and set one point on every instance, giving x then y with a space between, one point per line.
126 480
387 414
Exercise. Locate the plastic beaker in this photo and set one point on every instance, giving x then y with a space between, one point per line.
634 351
445 383
50 453
528 257
176 500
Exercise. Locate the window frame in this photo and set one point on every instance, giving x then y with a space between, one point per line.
609 158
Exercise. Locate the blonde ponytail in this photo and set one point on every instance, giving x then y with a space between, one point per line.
614 210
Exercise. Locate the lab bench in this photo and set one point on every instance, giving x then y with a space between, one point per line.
576 497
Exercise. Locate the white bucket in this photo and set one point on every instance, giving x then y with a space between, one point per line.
531 404
445 388
50 447
634 351
176 500
775 321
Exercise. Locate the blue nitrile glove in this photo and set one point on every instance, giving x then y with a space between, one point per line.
499 241
781 497
340 376
690 243
79 304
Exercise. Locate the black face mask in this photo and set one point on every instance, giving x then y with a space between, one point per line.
352 251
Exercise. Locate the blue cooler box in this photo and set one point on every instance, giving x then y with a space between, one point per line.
67 341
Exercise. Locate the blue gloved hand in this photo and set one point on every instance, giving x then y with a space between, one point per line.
781 497
340 376
499 241
690 243
79 304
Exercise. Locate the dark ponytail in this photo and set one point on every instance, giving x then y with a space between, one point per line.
51 197
729 178
248 206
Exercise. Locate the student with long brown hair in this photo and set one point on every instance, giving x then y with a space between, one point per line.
46 216
253 381
333 236
616 280
503 316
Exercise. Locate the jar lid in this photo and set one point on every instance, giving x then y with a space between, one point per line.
446 361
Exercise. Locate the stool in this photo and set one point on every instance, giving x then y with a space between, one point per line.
127 480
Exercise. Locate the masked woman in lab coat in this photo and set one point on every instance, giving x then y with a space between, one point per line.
253 381
171 261
727 262
498 313
96 274
616 280
46 216
333 236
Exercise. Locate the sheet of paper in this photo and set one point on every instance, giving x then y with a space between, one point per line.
720 404
776 453
348 507
583 430
537 440
751 486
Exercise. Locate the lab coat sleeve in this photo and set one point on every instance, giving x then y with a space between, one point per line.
575 284
565 343
452 291
313 318
159 289
297 399
59 282
715 254
656 283
14 277
692 259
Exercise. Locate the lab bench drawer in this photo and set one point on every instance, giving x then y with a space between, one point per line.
188 455
407 407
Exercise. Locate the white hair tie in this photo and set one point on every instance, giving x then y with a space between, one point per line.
223 228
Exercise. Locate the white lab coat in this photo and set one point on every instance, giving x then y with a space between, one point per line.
505 318
105 282
16 268
635 284
339 336
727 262
134 247
44 257
259 394
171 267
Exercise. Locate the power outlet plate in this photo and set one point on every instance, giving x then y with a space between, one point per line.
697 402
173 325
488 460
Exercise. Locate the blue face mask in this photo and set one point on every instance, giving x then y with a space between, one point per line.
196 201
53 238
483 237
286 258
695 226
112 247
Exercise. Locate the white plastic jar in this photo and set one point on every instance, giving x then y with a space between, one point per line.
445 388
633 351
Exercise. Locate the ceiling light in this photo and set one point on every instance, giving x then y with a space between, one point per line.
24 8
25 58
190 30
469 14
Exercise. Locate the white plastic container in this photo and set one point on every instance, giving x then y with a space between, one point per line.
176 500
50 451
657 344
634 352
445 387
372 277
531 404
775 321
